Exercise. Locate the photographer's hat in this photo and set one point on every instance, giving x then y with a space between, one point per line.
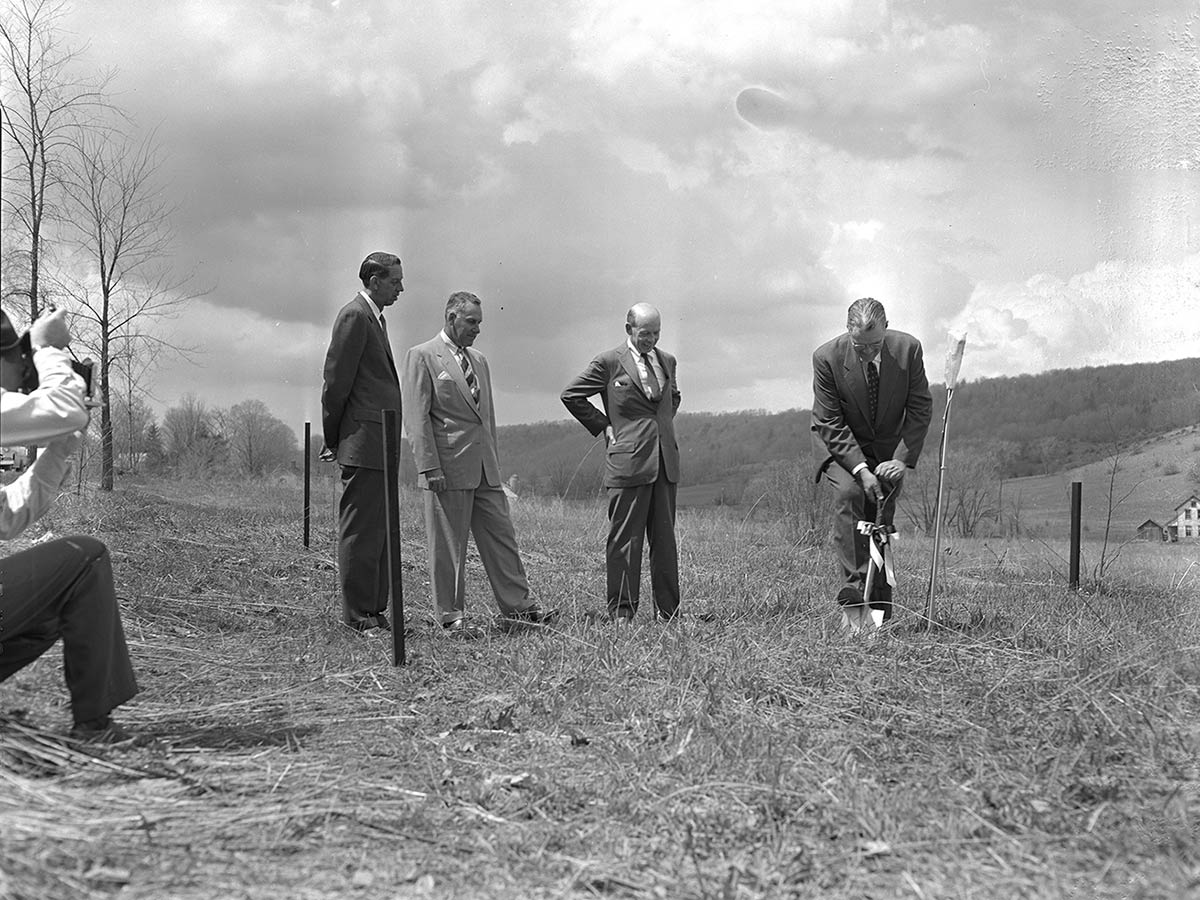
9 339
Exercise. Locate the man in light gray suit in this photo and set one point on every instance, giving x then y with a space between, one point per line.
451 426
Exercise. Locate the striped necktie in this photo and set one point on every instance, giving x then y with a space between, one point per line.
468 372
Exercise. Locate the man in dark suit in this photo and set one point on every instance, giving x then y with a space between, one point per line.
360 382
871 411
636 383
451 424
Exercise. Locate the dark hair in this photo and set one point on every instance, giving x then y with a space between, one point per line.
378 263
864 313
10 342
459 300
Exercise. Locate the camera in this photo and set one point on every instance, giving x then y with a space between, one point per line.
29 374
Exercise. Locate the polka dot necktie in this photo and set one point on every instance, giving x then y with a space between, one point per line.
872 389
653 388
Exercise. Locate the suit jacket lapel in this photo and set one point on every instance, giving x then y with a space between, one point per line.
381 335
450 364
630 366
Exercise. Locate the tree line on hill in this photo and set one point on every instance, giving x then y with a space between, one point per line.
1001 428
1011 426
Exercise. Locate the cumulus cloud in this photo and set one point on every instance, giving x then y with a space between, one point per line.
1116 312
748 166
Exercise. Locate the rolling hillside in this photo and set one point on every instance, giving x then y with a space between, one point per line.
1152 476
1045 430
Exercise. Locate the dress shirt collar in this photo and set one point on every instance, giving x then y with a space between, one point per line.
638 353
375 309
454 348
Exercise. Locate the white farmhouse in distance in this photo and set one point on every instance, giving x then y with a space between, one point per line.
1186 524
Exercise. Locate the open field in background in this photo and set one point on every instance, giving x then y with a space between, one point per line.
1037 744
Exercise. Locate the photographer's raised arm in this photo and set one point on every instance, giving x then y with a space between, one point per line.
55 409
52 417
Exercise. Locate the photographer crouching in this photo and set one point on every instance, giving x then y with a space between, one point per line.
62 587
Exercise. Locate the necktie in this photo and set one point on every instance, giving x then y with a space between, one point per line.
653 388
383 323
872 389
468 373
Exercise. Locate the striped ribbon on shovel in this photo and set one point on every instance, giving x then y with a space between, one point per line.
880 536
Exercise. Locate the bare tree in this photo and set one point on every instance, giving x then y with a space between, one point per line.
43 108
918 502
192 441
258 442
972 492
123 228
1115 498
132 358
131 419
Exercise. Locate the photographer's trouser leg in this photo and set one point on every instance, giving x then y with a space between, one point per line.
64 588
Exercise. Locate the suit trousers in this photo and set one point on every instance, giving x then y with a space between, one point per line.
451 515
851 506
362 544
64 589
636 514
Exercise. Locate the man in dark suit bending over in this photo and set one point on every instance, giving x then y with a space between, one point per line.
636 383
871 411
361 380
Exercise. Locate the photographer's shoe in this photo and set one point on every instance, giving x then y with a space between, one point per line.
100 731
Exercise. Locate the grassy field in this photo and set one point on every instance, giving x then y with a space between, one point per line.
1038 743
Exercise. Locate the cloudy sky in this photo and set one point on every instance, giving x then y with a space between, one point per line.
1026 171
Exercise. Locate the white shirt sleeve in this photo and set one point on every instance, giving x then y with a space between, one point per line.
56 409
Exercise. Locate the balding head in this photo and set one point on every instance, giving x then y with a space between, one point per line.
643 324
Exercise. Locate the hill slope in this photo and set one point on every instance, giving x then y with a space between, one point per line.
1037 424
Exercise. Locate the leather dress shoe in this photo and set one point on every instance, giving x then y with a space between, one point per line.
100 731
374 625
533 615
850 596
460 630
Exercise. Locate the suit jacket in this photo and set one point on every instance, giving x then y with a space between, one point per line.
360 381
644 428
447 429
842 428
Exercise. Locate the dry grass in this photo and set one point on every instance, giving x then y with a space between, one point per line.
1038 744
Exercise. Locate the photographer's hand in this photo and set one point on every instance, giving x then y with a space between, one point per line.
50 330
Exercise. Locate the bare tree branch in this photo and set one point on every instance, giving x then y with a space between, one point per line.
43 107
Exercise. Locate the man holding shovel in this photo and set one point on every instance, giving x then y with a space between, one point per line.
871 412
